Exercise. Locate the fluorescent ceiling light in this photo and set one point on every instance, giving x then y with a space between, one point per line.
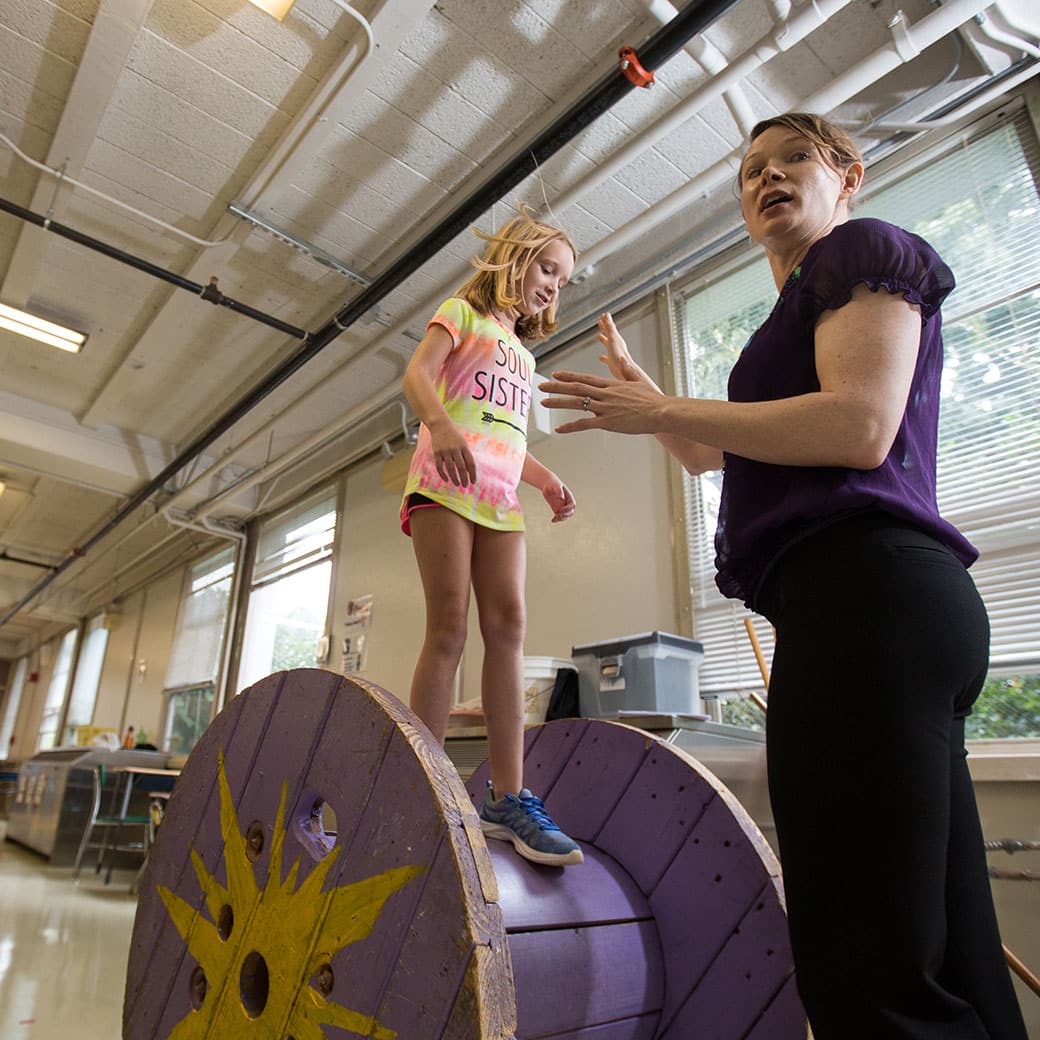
278 8
26 324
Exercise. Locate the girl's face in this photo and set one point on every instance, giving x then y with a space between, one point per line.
789 195
549 272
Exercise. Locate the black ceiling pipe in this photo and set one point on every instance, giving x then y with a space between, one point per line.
694 18
210 292
5 555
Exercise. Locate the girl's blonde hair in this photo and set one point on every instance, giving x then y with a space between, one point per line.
836 147
501 270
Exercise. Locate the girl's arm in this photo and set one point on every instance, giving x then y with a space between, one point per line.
865 357
453 458
553 490
694 457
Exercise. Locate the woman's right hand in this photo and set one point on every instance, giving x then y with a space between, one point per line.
452 456
617 358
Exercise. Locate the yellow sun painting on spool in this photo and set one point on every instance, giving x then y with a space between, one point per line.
264 955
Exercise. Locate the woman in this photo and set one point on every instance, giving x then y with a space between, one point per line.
829 527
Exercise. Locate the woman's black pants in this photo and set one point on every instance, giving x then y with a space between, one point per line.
882 645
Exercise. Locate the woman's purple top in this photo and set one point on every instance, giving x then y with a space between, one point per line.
767 508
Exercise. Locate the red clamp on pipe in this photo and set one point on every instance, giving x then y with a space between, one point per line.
634 72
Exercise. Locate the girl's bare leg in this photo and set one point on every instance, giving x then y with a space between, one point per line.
499 570
443 544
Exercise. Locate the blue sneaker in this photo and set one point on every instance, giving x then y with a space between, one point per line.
525 823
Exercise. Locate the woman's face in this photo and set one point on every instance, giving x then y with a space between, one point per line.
549 272
789 195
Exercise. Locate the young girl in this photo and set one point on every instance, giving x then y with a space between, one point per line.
470 382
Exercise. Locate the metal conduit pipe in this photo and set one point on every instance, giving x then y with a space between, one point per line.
386 398
907 43
768 46
977 99
611 88
998 35
210 292
218 530
9 558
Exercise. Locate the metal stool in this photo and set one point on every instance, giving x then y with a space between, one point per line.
110 823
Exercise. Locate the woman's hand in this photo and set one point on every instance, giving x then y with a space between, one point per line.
608 404
617 358
452 456
560 499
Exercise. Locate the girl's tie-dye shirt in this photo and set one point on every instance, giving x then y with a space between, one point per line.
486 385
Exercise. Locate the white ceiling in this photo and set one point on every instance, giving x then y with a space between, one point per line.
179 108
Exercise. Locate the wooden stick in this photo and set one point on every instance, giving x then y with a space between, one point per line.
1022 971
760 657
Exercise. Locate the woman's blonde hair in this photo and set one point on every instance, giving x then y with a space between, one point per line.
836 147
501 270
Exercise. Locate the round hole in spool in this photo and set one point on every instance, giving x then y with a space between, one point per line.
324 817
314 825
254 841
225 922
325 980
254 984
197 986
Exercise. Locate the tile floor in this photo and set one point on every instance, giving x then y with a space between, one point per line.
63 949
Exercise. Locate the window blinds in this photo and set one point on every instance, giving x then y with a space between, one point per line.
301 536
199 636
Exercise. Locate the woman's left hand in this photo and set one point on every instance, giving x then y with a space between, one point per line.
607 404
560 499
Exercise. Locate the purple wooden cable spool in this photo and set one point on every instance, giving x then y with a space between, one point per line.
257 918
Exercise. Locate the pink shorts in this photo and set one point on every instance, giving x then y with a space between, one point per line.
413 502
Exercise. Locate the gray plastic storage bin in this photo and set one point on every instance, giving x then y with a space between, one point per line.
652 671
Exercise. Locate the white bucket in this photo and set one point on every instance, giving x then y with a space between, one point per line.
539 680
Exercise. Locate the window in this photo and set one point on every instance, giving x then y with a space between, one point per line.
191 675
188 713
11 705
56 691
288 600
88 675
199 636
977 202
